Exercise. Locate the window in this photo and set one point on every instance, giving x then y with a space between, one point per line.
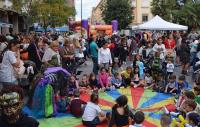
144 18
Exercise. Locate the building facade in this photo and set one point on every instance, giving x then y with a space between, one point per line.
141 12
10 20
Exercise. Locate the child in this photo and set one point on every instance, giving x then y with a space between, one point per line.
171 85
116 80
170 68
93 82
76 105
165 120
115 66
181 84
93 115
126 76
148 80
83 85
62 102
136 77
193 120
138 119
197 94
140 65
185 96
72 85
156 65
160 85
104 79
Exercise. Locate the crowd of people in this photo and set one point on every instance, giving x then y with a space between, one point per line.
153 56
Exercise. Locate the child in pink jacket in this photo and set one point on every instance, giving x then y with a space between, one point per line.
104 79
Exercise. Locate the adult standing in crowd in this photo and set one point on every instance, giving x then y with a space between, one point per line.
94 54
10 60
51 55
68 56
35 51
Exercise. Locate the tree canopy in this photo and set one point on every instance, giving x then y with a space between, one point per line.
185 12
119 10
47 12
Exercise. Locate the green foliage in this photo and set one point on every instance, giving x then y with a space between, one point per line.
119 10
48 12
188 14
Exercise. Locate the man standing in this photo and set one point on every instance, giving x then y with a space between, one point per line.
94 54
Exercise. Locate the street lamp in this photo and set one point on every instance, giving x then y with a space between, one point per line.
81 16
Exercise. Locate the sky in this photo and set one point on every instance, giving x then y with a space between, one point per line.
86 8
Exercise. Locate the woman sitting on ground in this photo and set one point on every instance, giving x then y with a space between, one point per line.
121 115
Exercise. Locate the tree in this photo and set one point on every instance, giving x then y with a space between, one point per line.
47 12
185 12
163 8
119 10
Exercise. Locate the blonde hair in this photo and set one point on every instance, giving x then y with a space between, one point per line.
76 43
54 43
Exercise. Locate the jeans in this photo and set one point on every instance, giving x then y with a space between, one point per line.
95 65
193 59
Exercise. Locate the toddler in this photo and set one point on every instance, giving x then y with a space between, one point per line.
138 119
93 82
72 85
83 85
148 80
171 85
116 80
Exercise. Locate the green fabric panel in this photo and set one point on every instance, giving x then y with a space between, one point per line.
48 101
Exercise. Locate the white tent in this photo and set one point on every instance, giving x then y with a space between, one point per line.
157 23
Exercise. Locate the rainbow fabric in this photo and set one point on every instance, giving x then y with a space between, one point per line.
151 103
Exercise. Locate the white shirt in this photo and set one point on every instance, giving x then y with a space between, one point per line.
161 49
7 73
170 67
148 79
49 53
91 111
104 56
136 125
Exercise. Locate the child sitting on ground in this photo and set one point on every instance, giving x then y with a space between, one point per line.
148 80
165 120
77 105
116 80
193 120
160 85
186 95
93 82
84 85
126 76
72 85
171 85
104 79
181 84
197 94
136 77
138 119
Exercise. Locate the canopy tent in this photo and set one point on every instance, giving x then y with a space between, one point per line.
62 29
157 23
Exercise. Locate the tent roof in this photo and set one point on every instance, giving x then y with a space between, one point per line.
157 23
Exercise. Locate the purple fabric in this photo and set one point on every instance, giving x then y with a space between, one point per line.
84 24
56 69
114 25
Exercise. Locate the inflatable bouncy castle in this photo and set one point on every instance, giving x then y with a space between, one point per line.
98 29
